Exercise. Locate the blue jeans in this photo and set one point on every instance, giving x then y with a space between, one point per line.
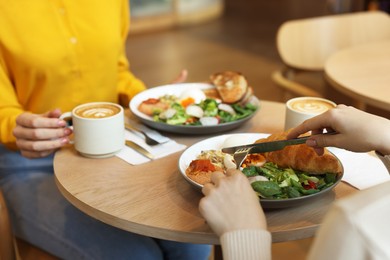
42 216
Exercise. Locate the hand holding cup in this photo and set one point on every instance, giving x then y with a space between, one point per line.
98 129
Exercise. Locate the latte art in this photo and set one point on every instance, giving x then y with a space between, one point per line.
311 106
300 109
97 111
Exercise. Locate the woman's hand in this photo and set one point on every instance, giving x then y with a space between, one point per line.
40 135
357 130
182 77
231 204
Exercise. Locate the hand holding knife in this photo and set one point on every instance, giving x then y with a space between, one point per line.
269 146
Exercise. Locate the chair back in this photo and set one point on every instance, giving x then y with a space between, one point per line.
307 43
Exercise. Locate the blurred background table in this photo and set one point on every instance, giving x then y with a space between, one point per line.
363 73
153 199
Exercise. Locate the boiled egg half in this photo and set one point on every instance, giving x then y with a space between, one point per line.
191 96
236 140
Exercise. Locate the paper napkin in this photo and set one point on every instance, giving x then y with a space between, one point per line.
160 150
361 170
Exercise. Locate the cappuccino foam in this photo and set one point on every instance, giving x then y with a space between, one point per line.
98 111
312 106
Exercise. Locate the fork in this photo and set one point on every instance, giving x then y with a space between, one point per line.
240 155
148 139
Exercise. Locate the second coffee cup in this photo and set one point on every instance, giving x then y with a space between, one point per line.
98 128
302 108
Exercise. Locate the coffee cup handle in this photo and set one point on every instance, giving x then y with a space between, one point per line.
67 117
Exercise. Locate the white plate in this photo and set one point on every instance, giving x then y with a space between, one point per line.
177 89
215 143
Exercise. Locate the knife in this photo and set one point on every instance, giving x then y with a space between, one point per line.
269 146
139 149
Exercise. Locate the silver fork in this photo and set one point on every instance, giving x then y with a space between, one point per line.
240 155
148 139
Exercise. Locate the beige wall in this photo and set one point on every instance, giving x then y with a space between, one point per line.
282 10
172 13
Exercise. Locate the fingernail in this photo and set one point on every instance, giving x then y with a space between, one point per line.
64 140
61 123
311 142
67 131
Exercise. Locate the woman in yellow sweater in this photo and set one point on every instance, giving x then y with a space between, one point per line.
55 55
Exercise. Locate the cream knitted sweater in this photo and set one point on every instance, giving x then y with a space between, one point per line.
355 228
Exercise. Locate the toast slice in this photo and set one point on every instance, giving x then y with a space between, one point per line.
231 86
212 93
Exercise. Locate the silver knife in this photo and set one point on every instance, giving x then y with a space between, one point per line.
139 149
269 146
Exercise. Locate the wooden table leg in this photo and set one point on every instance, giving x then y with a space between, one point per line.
218 252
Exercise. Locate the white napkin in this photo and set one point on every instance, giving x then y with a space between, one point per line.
361 170
158 151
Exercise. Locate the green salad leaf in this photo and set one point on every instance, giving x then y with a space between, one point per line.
209 107
287 183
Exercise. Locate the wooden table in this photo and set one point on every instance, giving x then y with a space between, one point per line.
153 199
363 73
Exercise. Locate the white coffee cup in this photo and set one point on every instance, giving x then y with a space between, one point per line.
98 128
301 108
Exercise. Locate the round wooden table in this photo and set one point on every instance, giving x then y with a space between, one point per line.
363 73
153 199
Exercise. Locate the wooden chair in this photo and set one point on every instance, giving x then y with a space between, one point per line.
8 249
305 44
12 248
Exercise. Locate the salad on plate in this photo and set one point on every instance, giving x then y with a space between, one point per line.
293 172
229 99
208 111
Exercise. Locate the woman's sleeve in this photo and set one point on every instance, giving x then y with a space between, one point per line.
336 239
128 84
9 107
248 244
355 227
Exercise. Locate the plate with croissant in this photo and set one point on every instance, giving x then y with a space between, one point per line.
293 176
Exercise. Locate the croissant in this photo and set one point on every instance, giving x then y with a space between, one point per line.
302 157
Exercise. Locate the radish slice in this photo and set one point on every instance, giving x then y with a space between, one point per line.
195 111
226 108
228 161
209 121
253 101
257 178
170 112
